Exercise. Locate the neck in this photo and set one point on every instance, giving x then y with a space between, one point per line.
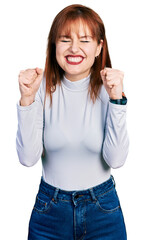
76 77
78 85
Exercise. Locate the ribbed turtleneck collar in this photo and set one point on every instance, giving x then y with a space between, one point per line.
79 85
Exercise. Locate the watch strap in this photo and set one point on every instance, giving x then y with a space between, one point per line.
122 101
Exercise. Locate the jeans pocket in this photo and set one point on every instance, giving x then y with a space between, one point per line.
109 201
43 202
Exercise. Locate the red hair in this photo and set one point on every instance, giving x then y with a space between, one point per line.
64 21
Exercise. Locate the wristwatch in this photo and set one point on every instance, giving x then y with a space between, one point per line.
122 101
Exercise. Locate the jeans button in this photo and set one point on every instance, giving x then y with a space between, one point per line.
78 195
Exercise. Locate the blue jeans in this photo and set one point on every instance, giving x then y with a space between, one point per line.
92 214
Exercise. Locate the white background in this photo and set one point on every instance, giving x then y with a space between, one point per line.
24 30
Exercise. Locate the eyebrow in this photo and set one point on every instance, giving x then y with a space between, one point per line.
67 36
64 36
86 36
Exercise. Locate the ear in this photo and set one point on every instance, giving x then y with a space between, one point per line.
99 47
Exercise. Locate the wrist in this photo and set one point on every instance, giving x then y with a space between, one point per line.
26 101
114 97
121 101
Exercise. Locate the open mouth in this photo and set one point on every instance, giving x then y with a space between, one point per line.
74 60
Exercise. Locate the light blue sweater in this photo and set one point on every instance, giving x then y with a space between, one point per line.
82 140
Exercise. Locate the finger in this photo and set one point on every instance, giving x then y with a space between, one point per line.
25 80
29 73
113 83
103 72
24 86
109 84
115 73
38 81
39 71
22 71
108 69
112 76
32 74
28 78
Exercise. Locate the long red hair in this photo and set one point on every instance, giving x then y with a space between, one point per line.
63 22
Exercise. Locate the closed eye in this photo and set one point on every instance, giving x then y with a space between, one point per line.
85 41
69 41
64 41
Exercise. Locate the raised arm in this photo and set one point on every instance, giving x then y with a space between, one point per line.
116 141
29 143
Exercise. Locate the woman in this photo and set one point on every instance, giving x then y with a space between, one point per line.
73 116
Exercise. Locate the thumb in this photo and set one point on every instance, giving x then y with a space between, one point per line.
103 72
39 71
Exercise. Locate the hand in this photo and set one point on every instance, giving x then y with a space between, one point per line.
29 82
113 82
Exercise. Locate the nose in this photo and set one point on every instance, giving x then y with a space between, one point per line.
74 46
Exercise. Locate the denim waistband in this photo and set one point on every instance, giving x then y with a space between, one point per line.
74 195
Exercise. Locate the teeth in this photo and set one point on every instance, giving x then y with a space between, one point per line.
74 59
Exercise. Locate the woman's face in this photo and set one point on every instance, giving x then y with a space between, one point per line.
75 54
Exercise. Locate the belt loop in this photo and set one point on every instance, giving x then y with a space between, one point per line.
113 180
55 195
92 194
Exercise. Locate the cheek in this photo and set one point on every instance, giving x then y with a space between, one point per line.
60 54
57 54
91 52
91 57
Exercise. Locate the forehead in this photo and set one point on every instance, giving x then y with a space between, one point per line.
79 27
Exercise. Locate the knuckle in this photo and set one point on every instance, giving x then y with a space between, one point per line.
122 74
108 78
19 79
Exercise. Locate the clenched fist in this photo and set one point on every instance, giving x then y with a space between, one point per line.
29 82
113 82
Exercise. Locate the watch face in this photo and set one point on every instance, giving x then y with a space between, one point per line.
124 100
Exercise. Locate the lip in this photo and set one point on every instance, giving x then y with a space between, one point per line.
74 63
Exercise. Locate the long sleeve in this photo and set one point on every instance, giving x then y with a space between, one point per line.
116 141
29 144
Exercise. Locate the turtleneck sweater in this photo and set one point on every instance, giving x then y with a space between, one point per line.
81 140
